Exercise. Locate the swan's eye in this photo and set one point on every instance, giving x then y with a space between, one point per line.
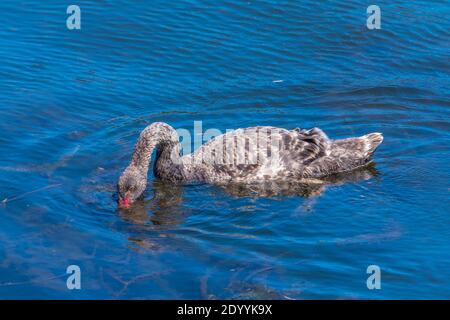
131 188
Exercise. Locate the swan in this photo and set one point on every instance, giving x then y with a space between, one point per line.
250 155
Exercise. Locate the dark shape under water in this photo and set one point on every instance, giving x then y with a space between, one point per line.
166 209
304 189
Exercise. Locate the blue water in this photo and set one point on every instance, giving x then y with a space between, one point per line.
72 103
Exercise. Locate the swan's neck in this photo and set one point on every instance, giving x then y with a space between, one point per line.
168 164
165 139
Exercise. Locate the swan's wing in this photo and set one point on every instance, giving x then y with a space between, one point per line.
250 146
302 147
261 152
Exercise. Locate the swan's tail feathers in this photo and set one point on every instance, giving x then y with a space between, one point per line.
371 143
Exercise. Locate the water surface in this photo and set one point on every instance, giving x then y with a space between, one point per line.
72 104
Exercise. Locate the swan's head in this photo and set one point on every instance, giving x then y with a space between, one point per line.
131 186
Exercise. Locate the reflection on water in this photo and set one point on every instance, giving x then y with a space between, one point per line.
164 208
306 189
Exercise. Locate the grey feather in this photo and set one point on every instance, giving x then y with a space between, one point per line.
247 155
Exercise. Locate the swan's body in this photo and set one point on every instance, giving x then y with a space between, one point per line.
245 156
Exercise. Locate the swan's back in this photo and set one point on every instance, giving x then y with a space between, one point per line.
269 153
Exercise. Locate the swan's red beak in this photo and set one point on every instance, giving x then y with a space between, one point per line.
124 203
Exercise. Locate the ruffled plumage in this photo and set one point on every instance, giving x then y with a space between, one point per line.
247 155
